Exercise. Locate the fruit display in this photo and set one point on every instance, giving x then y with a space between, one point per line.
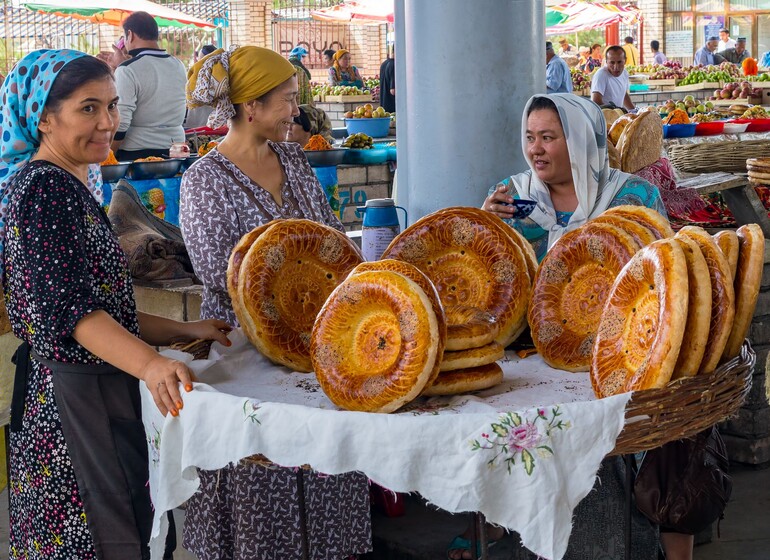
367 112
358 141
580 80
736 90
760 78
669 70
689 105
373 85
725 72
756 112
326 89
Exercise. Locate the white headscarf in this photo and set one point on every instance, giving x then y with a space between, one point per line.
596 184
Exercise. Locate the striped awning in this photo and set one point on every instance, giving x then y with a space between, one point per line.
583 15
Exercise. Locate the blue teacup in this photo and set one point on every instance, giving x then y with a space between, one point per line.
521 208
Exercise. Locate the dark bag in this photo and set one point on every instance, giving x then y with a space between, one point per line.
684 485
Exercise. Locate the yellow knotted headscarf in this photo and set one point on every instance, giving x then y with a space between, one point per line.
227 77
337 70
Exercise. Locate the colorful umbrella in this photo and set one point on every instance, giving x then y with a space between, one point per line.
114 12
553 17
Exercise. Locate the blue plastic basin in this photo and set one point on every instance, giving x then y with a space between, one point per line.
679 130
376 128
371 156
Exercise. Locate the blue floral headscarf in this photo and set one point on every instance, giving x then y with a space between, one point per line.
24 94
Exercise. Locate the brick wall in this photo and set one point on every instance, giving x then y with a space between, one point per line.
653 27
359 183
250 23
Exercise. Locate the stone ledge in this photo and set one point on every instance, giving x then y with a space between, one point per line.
751 452
748 424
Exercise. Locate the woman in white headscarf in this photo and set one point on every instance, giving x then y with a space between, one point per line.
564 138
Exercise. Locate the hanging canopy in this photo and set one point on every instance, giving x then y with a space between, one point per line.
113 12
357 12
553 17
584 15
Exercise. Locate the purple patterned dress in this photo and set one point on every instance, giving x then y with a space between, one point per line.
62 261
251 510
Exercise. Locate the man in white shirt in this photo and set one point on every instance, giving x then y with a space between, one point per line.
610 83
725 42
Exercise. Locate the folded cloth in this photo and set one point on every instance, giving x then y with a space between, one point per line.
154 248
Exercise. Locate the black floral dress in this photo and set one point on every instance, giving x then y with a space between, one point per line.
62 262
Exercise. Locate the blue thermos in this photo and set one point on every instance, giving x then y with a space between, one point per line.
380 226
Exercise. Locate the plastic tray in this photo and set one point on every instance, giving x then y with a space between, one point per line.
735 128
709 128
678 130
754 125
326 158
391 150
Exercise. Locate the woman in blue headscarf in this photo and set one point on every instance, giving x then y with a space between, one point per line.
305 96
78 463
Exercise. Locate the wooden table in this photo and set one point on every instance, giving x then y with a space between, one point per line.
738 193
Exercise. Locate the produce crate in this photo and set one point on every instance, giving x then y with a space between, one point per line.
700 86
348 98
319 97
665 82
728 102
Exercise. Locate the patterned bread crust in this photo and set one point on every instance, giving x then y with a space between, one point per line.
748 279
655 221
236 258
284 280
469 327
641 233
728 243
472 357
696 332
414 274
571 287
642 325
472 260
466 380
374 343
722 297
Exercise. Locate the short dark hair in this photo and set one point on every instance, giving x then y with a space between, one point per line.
142 25
655 45
303 120
628 39
541 102
329 53
724 30
617 49
207 49
74 74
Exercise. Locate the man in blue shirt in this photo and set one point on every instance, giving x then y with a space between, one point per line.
707 53
557 76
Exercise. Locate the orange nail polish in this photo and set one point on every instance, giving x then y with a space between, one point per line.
188 387
179 405
174 412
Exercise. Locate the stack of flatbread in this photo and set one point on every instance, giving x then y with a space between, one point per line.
634 140
678 308
759 170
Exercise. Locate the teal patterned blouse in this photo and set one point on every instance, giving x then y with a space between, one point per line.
636 191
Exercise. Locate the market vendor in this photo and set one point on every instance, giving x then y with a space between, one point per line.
151 90
736 54
310 121
610 83
252 177
342 71
564 140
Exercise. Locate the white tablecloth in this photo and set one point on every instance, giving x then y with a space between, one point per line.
523 453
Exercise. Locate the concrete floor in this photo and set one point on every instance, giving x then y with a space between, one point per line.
423 533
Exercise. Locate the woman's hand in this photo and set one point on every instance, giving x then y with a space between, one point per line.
208 329
498 201
162 376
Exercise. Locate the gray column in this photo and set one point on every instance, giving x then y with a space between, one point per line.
464 71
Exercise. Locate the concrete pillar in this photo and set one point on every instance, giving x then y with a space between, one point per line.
464 71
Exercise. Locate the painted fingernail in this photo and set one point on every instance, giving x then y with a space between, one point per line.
179 405
174 412
229 343
188 387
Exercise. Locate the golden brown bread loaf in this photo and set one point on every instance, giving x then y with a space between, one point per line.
466 380
616 130
472 357
284 279
374 343
571 287
641 329
641 142
469 327
414 274
472 260
236 259
727 241
641 234
696 332
654 221
748 280
722 297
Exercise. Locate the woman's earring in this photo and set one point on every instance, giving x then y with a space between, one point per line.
251 118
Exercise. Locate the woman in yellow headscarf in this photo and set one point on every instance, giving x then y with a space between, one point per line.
252 177
342 72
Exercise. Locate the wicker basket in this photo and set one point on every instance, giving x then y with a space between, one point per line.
686 406
656 416
716 156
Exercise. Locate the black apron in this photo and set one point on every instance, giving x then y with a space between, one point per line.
100 411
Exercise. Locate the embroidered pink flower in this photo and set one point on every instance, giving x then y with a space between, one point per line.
523 436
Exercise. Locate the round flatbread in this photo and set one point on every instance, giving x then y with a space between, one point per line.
611 115
727 241
374 343
236 259
469 327
722 297
696 332
616 130
614 155
641 329
465 380
284 279
414 274
472 357
760 164
472 260
641 234
654 221
571 287
748 280
641 142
